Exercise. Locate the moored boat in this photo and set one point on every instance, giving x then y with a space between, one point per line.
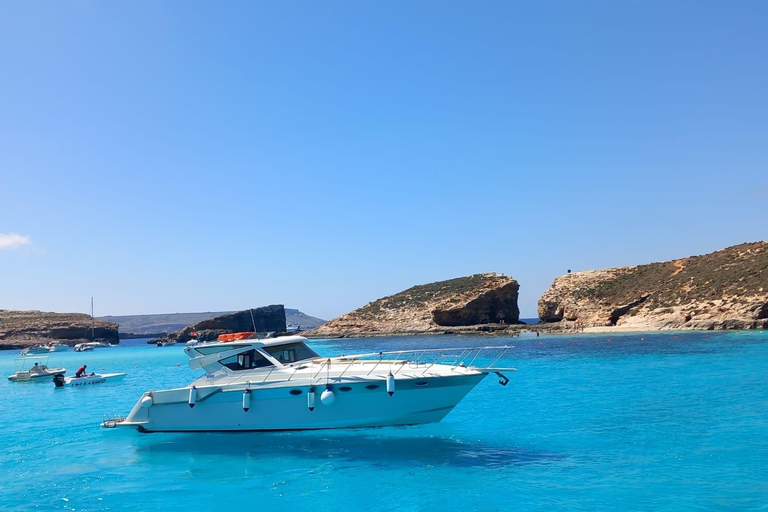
34 369
38 348
56 346
90 345
282 384
42 348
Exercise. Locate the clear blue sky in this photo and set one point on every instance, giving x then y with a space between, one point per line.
204 156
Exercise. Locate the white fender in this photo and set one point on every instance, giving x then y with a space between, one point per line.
146 402
327 397
192 396
311 399
390 384
246 400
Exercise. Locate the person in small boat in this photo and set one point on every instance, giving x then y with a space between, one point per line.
36 369
80 371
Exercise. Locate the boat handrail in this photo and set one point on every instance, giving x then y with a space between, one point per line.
456 357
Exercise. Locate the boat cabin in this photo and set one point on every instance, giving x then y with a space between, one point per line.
250 354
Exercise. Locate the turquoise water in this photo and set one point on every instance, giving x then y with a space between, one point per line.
673 421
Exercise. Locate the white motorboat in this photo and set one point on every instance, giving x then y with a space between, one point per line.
82 347
282 384
55 346
88 379
42 348
39 348
34 369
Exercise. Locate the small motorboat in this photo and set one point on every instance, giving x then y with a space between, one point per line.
82 347
89 379
39 348
42 348
55 346
34 369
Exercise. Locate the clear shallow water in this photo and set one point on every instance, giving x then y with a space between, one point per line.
673 421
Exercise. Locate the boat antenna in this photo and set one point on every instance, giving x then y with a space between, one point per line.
255 333
93 335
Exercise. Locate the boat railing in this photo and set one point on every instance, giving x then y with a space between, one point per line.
480 358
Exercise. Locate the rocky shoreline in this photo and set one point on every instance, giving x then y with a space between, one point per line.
553 328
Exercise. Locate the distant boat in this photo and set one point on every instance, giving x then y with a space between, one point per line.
42 348
96 343
55 346
82 347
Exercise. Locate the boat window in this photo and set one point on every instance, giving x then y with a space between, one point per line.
291 352
217 348
246 361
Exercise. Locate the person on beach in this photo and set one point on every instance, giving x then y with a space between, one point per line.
80 371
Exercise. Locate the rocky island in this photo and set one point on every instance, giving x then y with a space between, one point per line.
19 329
266 319
479 302
727 289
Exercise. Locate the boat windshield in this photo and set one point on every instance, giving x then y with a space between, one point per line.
246 361
291 352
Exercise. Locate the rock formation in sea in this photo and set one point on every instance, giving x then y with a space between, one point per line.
157 325
727 289
20 329
465 303
266 319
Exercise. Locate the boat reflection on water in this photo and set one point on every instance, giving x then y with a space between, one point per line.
392 447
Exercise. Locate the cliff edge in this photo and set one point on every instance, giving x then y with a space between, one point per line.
19 329
727 289
455 304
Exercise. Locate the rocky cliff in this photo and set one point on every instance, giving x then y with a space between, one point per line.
457 304
267 319
160 324
20 329
727 289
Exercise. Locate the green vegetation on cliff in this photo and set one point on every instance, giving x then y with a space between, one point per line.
726 289
740 270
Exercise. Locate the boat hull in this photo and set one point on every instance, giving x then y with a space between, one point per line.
89 380
356 403
36 377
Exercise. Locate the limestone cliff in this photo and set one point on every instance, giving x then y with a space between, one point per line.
24 328
727 289
436 307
